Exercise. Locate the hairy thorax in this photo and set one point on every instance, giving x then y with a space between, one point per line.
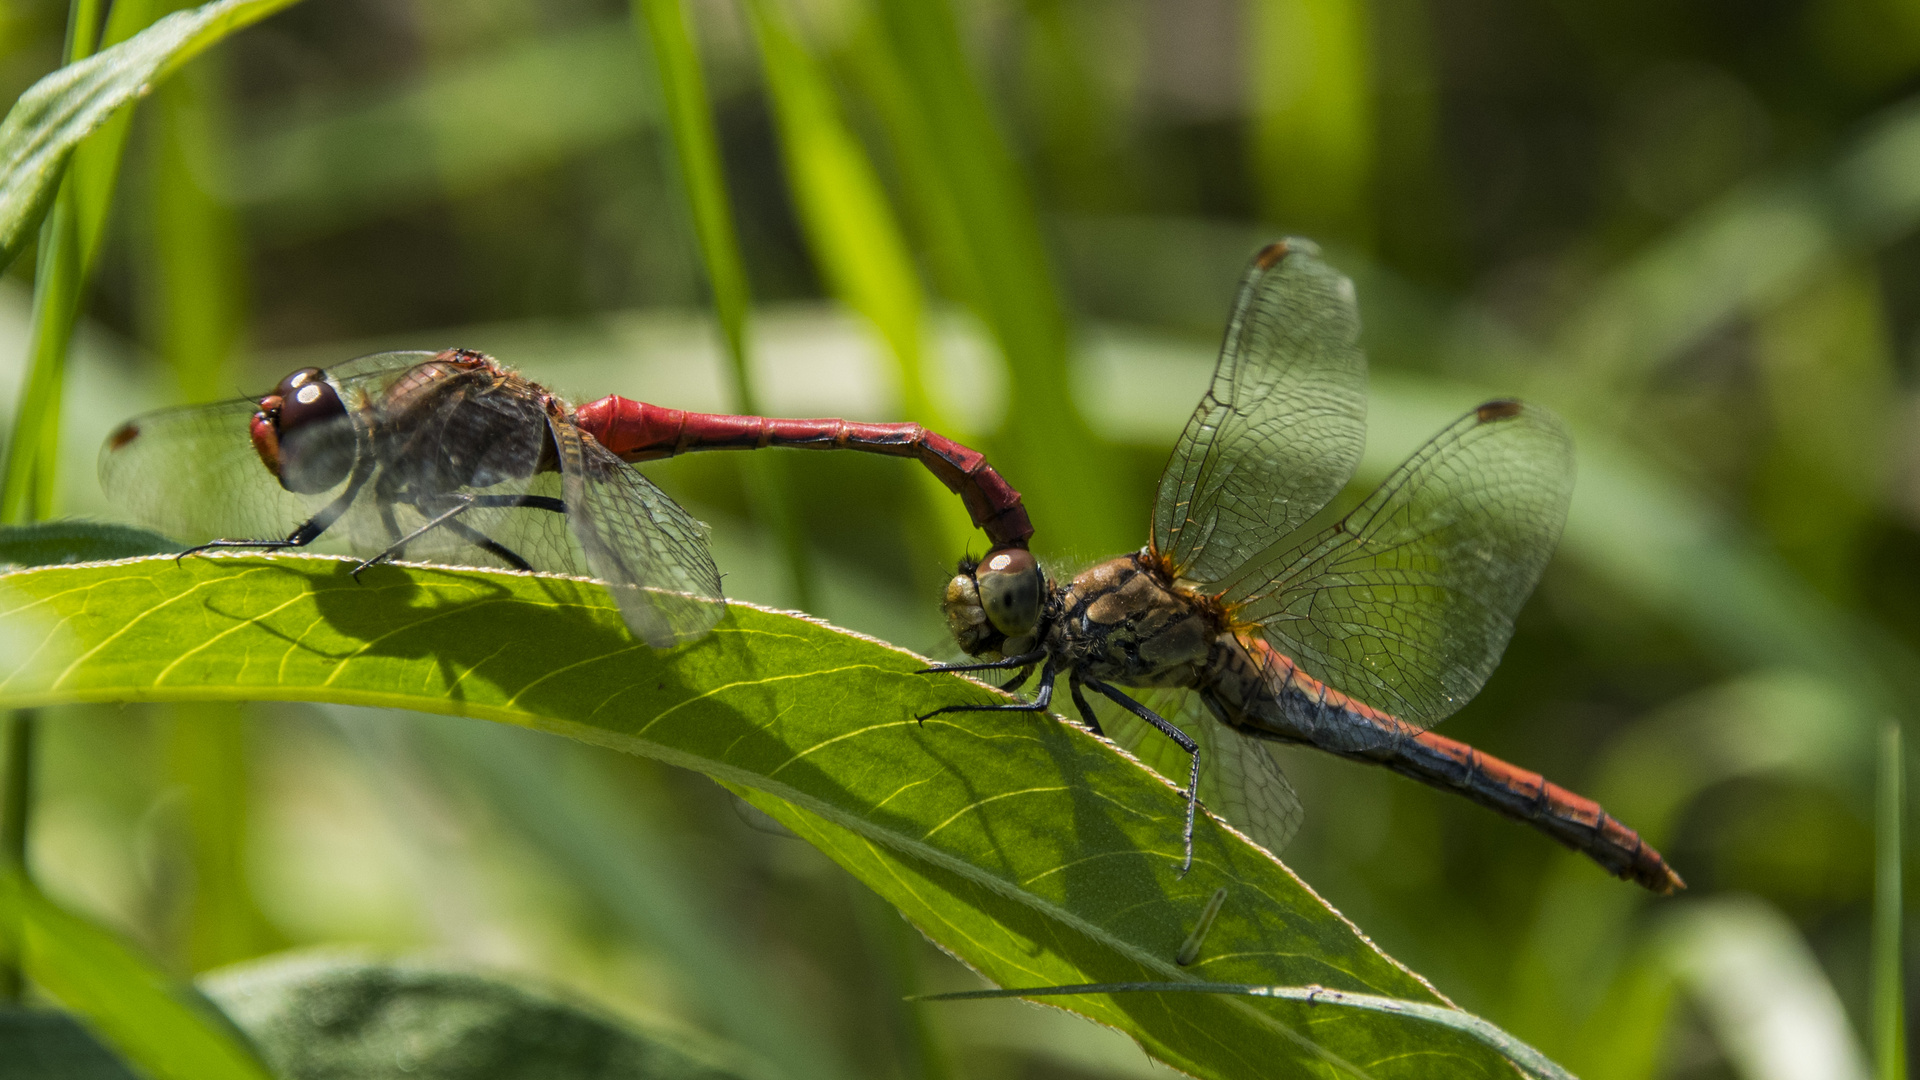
1124 621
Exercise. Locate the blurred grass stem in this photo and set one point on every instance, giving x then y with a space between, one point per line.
26 489
1889 998
16 796
662 25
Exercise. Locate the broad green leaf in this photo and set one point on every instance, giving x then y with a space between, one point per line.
1526 1057
1027 847
315 1015
51 118
154 1023
50 542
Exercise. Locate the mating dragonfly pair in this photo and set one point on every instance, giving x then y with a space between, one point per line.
1252 602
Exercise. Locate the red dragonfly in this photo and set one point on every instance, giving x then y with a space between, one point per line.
453 457
1287 622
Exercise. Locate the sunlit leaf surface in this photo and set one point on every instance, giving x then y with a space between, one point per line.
1028 848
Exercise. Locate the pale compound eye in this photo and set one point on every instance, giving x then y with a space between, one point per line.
1011 588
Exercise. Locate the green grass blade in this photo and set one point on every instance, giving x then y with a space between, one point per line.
1526 1057
1311 67
70 238
56 113
27 486
1889 967
663 25
975 205
151 1021
851 230
848 222
1027 847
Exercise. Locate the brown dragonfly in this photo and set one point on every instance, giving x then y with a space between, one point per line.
1351 632
453 457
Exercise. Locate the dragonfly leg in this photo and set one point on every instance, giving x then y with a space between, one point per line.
1028 660
488 544
1019 677
532 502
1171 731
1039 703
462 504
309 530
1086 711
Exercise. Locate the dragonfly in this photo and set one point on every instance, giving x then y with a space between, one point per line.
453 457
1285 621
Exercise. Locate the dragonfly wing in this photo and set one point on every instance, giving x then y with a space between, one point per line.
650 551
1282 426
1407 602
1239 779
192 473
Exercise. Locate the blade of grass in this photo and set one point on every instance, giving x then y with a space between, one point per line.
662 25
1312 75
1526 1057
851 230
26 486
56 113
1889 997
70 238
978 211
163 1028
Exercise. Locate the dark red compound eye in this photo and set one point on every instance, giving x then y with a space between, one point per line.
302 429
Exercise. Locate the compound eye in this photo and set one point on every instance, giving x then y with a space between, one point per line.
315 444
1011 587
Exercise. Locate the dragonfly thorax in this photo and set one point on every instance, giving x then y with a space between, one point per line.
1124 621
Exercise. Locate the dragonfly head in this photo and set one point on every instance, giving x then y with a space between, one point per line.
996 602
300 434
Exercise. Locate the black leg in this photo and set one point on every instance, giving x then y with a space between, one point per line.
531 502
471 536
1086 710
1038 704
486 543
992 665
1018 677
461 504
1171 731
310 530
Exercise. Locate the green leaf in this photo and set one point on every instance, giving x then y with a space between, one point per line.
154 1023
315 1015
1027 847
51 118
1533 1061
51 542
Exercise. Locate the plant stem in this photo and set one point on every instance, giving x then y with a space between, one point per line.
16 797
1889 996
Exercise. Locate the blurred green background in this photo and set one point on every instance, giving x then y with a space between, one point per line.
1688 228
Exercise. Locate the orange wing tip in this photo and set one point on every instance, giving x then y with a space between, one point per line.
1504 409
1270 255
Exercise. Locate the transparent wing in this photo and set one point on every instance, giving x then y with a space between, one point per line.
1283 425
1408 601
192 472
1239 779
649 550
